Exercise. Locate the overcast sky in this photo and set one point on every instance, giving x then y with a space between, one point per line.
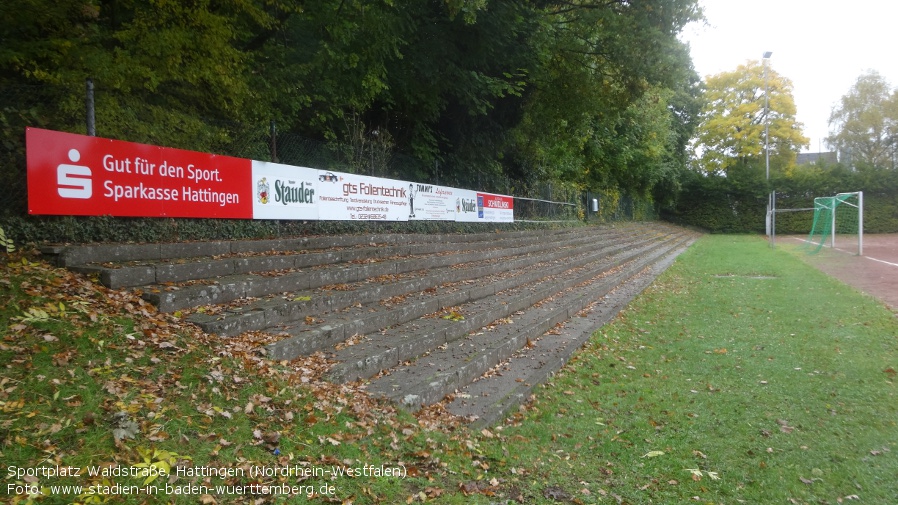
822 46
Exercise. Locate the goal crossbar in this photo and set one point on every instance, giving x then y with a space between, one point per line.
774 211
824 224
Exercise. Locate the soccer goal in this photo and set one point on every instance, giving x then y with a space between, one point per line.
773 211
838 223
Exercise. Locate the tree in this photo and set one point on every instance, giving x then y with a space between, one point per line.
610 75
597 92
163 70
865 123
732 123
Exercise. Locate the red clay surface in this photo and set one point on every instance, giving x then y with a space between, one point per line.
874 273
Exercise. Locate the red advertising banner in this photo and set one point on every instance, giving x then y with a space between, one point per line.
495 208
71 174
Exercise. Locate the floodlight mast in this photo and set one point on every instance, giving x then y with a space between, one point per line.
767 55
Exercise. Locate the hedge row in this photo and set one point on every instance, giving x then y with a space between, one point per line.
738 203
80 229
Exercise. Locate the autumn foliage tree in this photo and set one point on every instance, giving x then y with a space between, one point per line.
731 128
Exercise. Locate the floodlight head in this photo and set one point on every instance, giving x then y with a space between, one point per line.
768 54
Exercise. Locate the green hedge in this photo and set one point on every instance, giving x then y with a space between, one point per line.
738 203
79 229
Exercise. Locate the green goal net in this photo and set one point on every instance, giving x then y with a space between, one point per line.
838 223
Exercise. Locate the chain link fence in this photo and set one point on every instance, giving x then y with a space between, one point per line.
22 106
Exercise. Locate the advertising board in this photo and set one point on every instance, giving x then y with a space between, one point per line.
72 174
474 206
284 191
352 197
428 202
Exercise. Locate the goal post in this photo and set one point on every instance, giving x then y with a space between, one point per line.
838 223
773 211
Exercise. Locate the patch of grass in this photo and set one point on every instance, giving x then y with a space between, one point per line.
740 376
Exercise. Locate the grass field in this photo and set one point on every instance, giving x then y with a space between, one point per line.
741 375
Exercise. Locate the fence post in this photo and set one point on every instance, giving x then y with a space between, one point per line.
90 110
272 131
588 206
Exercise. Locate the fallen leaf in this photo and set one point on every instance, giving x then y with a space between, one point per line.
123 426
784 426
556 493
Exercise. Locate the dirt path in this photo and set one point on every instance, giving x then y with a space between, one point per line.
874 273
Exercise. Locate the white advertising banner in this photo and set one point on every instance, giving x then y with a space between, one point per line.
284 191
351 197
473 206
431 203
466 210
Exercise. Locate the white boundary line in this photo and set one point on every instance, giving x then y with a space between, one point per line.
837 249
881 261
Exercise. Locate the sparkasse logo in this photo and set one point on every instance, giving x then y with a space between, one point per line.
74 181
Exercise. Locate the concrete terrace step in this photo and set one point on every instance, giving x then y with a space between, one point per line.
283 308
364 319
315 273
483 316
402 342
495 394
130 265
450 367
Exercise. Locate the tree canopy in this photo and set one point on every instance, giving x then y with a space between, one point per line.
738 106
865 123
594 92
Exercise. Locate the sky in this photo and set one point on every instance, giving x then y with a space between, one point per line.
822 46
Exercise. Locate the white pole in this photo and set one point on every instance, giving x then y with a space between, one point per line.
773 219
766 123
832 231
766 58
860 223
